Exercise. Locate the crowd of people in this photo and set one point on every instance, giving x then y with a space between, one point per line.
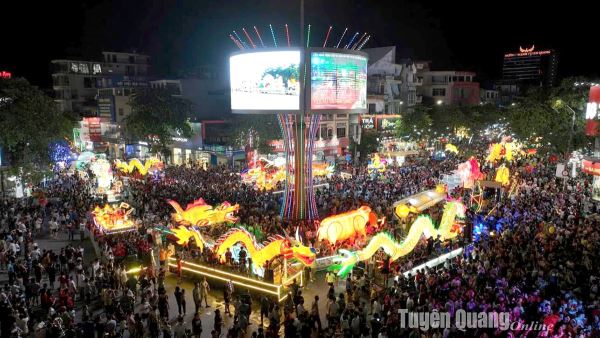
540 264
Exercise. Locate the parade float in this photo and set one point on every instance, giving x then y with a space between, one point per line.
376 165
150 165
201 214
270 266
449 227
110 220
348 226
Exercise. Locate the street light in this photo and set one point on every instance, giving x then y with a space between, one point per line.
439 102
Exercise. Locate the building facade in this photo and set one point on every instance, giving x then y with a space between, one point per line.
530 67
391 84
447 87
76 83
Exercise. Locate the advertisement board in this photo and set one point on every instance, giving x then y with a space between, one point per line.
266 80
338 81
596 189
591 112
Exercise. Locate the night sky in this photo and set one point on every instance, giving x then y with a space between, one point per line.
180 35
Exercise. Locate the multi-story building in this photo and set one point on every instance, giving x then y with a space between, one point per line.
530 67
447 87
76 82
490 96
391 84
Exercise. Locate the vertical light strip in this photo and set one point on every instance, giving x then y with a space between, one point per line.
259 37
327 36
341 37
273 35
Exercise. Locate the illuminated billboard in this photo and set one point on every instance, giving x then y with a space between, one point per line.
265 81
338 81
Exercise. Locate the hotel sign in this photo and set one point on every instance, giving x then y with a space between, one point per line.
528 52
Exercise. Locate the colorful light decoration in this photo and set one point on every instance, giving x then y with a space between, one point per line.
376 165
503 175
423 226
347 226
103 172
275 246
402 210
128 168
469 172
113 220
201 214
451 148
60 153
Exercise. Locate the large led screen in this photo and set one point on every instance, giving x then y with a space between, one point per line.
338 81
265 81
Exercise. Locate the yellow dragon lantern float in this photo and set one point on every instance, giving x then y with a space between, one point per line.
262 253
201 214
134 163
423 226
347 226
503 175
376 165
451 148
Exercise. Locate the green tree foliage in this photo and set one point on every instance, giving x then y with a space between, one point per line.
549 114
29 122
413 123
255 131
368 144
156 116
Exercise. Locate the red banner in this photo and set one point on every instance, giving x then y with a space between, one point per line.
592 168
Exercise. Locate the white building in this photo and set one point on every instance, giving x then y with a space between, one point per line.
76 82
447 86
392 85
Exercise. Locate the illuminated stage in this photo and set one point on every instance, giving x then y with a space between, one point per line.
275 290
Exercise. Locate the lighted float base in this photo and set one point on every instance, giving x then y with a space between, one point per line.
276 291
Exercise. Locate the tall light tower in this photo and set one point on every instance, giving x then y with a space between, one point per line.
299 84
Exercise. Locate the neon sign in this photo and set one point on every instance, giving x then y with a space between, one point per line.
528 52
592 111
5 75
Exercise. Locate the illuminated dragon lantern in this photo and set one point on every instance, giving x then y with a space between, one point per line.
143 169
348 225
423 226
376 164
201 214
262 253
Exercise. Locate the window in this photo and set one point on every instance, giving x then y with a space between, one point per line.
438 92
329 133
131 59
341 116
461 79
74 67
371 108
341 130
323 131
88 83
114 57
121 112
97 68
83 68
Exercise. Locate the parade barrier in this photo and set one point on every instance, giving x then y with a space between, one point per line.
276 290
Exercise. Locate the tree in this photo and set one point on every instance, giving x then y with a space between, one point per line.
156 116
369 141
534 120
415 124
255 131
29 122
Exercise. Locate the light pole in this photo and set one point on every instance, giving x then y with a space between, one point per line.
560 103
